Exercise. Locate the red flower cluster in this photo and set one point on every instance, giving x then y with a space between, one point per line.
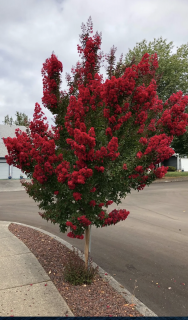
79 177
142 183
141 187
100 169
152 125
100 205
109 132
35 150
82 139
141 118
112 147
160 144
139 169
72 235
84 221
147 61
175 119
51 76
100 154
139 154
121 120
133 176
125 85
115 88
143 141
93 189
92 203
62 171
124 166
101 215
37 126
160 172
109 202
115 216
141 128
77 196
89 53
70 224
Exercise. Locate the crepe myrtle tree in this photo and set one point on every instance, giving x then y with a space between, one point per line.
105 141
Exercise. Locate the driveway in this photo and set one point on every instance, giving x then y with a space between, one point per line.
147 253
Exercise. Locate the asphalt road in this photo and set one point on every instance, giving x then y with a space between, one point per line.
148 252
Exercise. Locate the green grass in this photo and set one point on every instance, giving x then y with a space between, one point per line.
176 174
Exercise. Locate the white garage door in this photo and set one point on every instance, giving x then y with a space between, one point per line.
4 170
16 173
184 164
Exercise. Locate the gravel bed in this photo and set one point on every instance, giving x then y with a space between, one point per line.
96 300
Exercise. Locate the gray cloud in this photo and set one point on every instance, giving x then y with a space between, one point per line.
31 30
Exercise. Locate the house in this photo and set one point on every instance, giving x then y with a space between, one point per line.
6 170
180 163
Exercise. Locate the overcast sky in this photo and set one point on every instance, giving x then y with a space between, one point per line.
30 30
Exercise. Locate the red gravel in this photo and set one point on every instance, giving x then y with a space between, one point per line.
96 300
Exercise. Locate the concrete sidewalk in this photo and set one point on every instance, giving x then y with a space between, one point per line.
12 185
25 287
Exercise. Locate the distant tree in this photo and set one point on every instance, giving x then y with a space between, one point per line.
180 144
8 120
21 119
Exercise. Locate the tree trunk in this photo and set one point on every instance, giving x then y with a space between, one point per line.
86 251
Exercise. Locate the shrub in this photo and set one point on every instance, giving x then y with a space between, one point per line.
75 271
171 168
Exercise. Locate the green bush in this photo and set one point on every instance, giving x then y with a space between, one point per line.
75 271
171 168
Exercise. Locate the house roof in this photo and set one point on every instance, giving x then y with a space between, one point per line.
5 132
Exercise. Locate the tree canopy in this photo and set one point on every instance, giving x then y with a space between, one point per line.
8 120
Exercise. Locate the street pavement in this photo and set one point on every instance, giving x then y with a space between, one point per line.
148 252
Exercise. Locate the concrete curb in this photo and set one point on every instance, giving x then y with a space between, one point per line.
142 308
170 179
7 190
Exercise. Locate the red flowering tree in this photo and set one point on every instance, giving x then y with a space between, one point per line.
106 137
